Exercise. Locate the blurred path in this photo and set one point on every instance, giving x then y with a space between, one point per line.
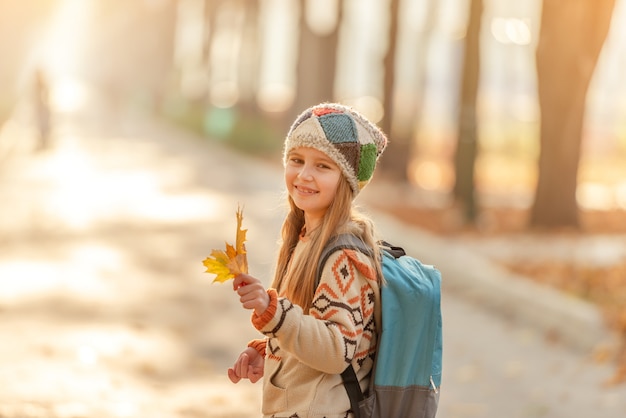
103 302
105 310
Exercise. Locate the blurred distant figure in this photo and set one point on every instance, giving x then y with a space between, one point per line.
42 109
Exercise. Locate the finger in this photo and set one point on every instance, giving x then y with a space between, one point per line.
238 281
233 376
249 301
245 297
251 290
237 367
253 303
254 375
243 279
245 361
244 289
249 293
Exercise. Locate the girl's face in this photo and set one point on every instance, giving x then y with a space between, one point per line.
312 179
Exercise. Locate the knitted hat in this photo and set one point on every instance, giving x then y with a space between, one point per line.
347 137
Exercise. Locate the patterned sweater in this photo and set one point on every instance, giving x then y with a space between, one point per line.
305 354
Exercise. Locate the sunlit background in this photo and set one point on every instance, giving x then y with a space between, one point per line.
174 56
230 72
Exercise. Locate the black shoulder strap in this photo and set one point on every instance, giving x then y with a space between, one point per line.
351 383
394 251
348 376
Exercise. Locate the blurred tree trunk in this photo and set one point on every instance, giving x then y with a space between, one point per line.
467 143
249 58
317 62
406 122
571 37
211 9
160 61
398 154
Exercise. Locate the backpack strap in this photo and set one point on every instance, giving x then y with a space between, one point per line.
351 383
348 376
392 250
340 242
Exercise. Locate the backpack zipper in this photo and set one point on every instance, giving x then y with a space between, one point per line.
432 383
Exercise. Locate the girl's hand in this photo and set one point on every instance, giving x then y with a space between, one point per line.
249 365
252 293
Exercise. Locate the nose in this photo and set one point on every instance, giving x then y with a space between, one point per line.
306 172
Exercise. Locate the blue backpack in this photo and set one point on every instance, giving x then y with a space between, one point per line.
406 377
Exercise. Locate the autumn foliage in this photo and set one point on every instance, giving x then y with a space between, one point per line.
228 263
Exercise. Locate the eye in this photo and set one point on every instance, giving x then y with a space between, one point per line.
295 160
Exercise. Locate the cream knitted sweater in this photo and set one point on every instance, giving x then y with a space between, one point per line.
305 354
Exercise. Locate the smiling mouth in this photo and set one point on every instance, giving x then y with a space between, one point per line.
305 190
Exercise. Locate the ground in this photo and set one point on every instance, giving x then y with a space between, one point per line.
108 313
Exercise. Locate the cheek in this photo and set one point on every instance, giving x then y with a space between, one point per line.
289 176
333 184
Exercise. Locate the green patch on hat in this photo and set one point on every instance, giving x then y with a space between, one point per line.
367 162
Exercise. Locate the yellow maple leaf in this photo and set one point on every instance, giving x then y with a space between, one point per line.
227 264
217 264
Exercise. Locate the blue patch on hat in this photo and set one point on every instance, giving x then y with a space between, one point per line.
339 128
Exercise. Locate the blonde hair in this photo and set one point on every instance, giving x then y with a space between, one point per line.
340 217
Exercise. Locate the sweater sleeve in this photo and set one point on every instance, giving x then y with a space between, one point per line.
259 345
341 316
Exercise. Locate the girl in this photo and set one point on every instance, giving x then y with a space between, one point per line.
316 326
